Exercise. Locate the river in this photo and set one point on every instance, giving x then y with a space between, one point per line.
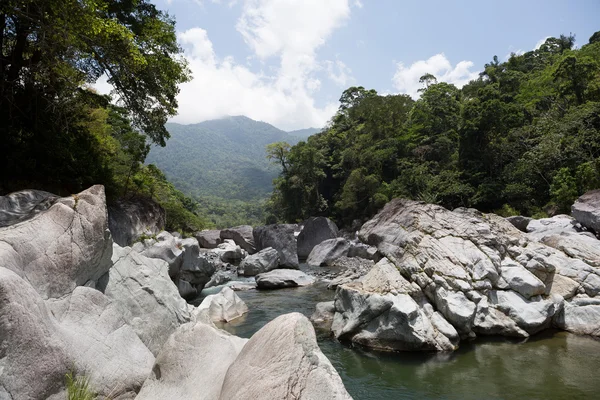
551 365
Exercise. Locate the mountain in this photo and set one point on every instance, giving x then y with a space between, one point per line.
223 158
305 133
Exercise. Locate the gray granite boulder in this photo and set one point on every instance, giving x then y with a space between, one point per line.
65 246
263 261
283 278
586 210
224 306
326 252
150 301
283 361
242 236
192 364
209 239
20 206
129 219
281 238
315 231
520 222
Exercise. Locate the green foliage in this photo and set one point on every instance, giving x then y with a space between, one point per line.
78 387
523 138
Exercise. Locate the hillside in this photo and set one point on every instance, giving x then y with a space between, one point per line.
222 158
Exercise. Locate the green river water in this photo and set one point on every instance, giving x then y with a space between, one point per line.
551 365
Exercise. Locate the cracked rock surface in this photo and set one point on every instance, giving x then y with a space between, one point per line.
469 273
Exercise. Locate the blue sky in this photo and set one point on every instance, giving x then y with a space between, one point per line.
287 62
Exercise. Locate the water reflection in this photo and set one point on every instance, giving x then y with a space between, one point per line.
552 365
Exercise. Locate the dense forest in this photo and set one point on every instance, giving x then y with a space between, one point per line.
57 133
523 138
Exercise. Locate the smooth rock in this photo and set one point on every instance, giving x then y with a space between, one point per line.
283 361
224 306
263 261
283 278
520 222
281 238
228 251
586 210
315 231
192 364
242 236
63 247
150 301
209 239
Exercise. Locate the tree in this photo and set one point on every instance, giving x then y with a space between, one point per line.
278 153
49 51
428 79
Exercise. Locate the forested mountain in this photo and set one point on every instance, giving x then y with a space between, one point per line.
223 158
522 138
305 133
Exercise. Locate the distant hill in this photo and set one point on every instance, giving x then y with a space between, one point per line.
305 133
223 158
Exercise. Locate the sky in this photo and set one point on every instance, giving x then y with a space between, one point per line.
286 62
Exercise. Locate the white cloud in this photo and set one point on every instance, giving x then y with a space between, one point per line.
540 42
225 87
406 79
339 73
287 33
358 3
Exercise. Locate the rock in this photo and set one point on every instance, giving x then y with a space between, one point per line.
25 204
283 278
224 306
345 270
209 239
230 252
241 287
281 238
66 246
521 280
166 247
328 251
151 303
380 311
539 228
43 341
477 271
315 231
263 261
323 315
580 316
129 219
192 364
196 269
520 222
242 236
283 361
586 210
219 278
325 253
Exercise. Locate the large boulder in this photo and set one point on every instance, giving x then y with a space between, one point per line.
44 340
347 269
229 252
283 361
242 235
224 306
384 311
20 206
281 238
150 301
480 273
263 261
586 210
520 222
326 252
283 278
209 239
315 231
192 364
66 246
130 219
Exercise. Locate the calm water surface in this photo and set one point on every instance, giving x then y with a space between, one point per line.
551 365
